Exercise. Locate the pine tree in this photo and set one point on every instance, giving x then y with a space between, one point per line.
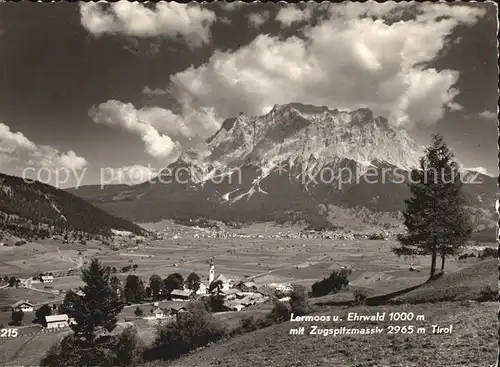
435 217
156 285
96 311
134 289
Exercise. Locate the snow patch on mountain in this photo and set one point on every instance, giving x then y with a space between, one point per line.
299 140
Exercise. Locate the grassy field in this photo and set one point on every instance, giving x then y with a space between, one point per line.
27 350
472 342
288 260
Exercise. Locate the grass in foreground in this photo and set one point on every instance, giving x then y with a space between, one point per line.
472 343
465 284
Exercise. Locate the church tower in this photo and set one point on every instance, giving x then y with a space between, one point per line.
211 274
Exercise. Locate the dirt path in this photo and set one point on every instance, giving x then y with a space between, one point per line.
19 350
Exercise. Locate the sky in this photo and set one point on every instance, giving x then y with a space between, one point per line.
126 87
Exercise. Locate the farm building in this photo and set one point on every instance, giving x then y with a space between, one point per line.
201 291
232 293
24 306
57 321
246 286
47 279
181 295
176 310
234 305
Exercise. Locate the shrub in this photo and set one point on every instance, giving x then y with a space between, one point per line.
71 351
488 252
41 313
214 303
190 330
121 350
335 282
360 297
17 317
298 300
280 312
138 312
250 323
376 236
488 294
128 348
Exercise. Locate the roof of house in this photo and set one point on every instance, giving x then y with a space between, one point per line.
57 318
222 278
179 292
47 277
232 291
19 303
233 304
177 308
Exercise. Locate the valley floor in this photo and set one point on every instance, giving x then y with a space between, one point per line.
292 260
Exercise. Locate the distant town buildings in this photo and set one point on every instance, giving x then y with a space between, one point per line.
47 279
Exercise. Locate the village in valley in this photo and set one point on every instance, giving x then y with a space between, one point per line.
235 296
48 289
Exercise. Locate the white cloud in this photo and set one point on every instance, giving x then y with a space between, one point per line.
162 131
484 115
453 106
257 19
172 20
154 92
18 152
231 5
346 61
488 115
290 14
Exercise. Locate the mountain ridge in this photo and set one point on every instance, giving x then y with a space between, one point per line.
36 204
289 160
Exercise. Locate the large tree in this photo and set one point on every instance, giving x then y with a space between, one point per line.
41 313
173 281
134 289
193 282
156 285
95 312
116 286
17 317
436 220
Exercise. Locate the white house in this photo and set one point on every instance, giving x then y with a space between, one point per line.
24 306
57 321
47 279
225 282
201 291
160 314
